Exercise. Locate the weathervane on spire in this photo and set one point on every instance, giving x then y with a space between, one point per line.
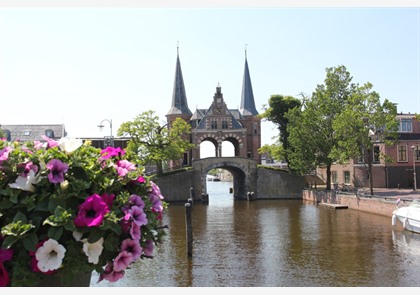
245 49
177 47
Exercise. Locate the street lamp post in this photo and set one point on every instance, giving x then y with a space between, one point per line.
414 167
108 140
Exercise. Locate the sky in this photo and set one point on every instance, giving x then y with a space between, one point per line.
81 64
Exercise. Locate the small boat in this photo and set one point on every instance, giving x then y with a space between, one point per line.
409 216
216 179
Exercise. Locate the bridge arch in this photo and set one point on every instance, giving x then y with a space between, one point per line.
243 170
218 141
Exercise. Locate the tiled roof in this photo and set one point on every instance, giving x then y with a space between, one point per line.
27 132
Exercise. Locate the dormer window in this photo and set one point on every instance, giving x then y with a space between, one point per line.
8 135
49 133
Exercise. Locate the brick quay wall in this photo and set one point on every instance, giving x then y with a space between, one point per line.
377 205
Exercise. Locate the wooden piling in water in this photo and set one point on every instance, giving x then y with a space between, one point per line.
188 222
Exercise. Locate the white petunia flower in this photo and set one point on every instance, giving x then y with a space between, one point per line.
69 144
25 183
94 250
50 255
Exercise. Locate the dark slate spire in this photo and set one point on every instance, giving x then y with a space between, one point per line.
247 100
179 97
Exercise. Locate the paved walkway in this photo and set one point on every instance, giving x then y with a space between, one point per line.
403 194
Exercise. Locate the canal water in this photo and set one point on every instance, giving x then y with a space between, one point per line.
277 243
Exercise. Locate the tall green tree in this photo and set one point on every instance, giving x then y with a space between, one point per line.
278 106
156 142
274 151
363 123
311 133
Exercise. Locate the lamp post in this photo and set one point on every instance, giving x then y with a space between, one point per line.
414 167
108 140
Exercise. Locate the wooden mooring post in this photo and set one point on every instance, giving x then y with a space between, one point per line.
188 208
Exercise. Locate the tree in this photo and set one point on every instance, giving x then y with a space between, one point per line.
363 123
275 151
157 143
279 105
311 134
2 134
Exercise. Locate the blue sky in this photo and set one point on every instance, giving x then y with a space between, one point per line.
80 65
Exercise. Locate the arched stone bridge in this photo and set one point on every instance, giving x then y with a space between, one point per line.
243 170
265 183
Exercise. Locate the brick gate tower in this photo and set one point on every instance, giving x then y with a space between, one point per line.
218 123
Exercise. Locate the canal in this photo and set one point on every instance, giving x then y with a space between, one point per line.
277 243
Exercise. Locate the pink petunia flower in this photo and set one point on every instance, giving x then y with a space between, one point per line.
4 154
110 151
91 211
124 166
108 199
51 142
57 170
123 260
133 247
4 276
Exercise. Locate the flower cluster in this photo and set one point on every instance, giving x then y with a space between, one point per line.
67 207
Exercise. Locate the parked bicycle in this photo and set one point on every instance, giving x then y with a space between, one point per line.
349 189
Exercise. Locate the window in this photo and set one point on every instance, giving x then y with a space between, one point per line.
8 135
405 125
402 153
49 133
213 124
27 132
376 154
334 178
224 124
346 176
416 153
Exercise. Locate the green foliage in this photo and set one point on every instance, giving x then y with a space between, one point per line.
156 143
279 105
274 151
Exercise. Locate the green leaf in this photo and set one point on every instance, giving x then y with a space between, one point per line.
55 233
30 242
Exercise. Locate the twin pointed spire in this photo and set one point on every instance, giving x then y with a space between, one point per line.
179 98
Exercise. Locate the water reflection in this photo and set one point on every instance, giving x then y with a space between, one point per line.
277 243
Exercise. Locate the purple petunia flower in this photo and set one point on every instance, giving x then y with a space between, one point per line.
137 215
135 231
133 247
29 166
136 201
110 274
91 211
57 170
148 248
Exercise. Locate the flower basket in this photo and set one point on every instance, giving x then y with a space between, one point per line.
68 208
